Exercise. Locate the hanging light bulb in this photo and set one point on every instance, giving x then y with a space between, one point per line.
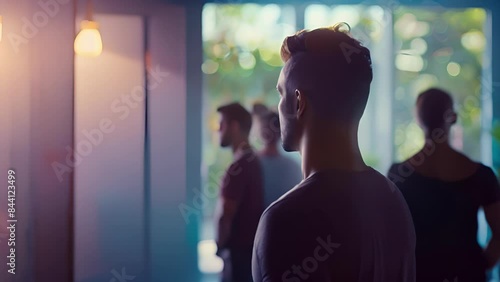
88 42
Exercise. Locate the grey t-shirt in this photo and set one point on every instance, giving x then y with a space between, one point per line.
281 174
337 226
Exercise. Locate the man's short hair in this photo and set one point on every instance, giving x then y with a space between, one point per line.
236 112
332 65
259 109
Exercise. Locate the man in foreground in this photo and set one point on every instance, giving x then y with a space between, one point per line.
344 221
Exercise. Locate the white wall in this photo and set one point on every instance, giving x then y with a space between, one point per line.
36 105
109 138
171 256
172 243
36 128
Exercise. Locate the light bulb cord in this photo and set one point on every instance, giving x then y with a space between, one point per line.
90 8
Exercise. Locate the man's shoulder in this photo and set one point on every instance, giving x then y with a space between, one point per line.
292 216
249 159
294 201
280 206
395 166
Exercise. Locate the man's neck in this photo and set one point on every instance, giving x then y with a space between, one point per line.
270 150
331 147
437 148
240 147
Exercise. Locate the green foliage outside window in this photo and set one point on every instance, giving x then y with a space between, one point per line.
438 49
496 138
242 63
433 48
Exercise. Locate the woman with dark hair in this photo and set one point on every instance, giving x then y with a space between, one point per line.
444 190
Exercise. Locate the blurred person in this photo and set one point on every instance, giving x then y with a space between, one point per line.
280 172
259 109
345 221
241 196
444 190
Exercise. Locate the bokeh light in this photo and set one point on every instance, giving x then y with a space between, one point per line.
407 26
209 67
418 46
409 63
221 50
473 40
453 68
246 60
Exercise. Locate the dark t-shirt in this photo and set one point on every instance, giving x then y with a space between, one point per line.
445 218
243 183
337 226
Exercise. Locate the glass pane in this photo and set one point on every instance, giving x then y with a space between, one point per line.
438 49
241 46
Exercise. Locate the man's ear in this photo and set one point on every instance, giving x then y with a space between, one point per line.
453 118
450 117
301 102
416 116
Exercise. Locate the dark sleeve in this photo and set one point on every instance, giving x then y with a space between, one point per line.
234 181
490 189
286 242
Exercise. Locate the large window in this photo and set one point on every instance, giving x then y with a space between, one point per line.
430 48
412 49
